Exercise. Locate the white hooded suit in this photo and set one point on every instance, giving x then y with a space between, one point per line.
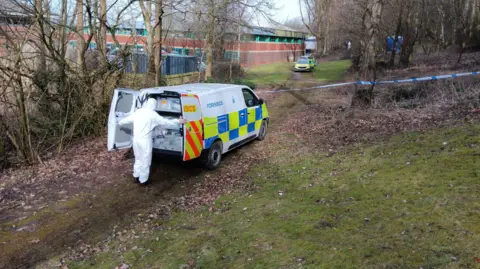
144 121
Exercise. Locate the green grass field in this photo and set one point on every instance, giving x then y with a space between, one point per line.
331 71
409 202
270 74
281 73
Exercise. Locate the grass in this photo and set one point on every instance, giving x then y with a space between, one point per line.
270 74
331 71
410 202
280 73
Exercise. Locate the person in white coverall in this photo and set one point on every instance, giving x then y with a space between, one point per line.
144 121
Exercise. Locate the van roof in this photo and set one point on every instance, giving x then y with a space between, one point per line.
196 88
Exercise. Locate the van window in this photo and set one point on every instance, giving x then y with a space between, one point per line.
250 98
124 102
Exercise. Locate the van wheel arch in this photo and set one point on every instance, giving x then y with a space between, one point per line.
212 157
262 133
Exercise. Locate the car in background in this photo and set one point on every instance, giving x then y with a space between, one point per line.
303 64
313 62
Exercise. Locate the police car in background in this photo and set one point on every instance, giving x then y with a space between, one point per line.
220 118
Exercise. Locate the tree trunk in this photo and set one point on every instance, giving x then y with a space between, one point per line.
411 35
102 42
326 36
209 45
371 20
63 24
397 34
146 7
158 37
41 64
80 38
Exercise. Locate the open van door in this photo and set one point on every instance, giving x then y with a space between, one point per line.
123 104
193 128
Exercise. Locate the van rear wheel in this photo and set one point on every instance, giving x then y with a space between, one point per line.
213 156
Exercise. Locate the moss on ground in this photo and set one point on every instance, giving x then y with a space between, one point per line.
410 202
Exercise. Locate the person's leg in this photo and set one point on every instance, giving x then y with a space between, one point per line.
145 160
136 164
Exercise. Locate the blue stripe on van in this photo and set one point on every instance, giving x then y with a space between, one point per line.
258 113
234 134
223 124
243 119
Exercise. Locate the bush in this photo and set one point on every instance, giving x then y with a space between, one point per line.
245 82
221 74
211 80
221 71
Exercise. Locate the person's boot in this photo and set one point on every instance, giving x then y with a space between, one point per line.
144 183
136 179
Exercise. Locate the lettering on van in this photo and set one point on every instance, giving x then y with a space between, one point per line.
215 104
189 108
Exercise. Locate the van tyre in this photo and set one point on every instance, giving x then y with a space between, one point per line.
263 131
213 156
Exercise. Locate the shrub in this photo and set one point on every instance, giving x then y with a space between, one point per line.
221 71
245 82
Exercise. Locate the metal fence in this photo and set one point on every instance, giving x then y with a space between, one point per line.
172 64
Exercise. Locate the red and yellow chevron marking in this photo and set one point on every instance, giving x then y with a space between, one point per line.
189 95
194 140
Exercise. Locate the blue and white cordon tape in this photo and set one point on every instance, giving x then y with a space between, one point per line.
397 81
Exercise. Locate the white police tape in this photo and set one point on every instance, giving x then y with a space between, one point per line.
422 79
418 79
317 87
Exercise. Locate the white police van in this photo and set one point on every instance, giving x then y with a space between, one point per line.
220 117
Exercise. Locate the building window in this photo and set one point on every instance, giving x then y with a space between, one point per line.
267 39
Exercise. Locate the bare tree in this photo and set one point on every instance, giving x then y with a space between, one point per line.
146 8
158 41
371 22
317 19
80 40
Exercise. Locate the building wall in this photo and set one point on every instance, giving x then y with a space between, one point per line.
254 50
251 52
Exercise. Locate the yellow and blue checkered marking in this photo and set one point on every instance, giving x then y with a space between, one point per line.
233 125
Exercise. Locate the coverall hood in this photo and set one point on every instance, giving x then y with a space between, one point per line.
151 104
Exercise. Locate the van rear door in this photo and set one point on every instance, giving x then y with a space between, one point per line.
193 128
123 104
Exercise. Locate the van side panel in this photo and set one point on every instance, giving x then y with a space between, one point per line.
213 105
236 124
